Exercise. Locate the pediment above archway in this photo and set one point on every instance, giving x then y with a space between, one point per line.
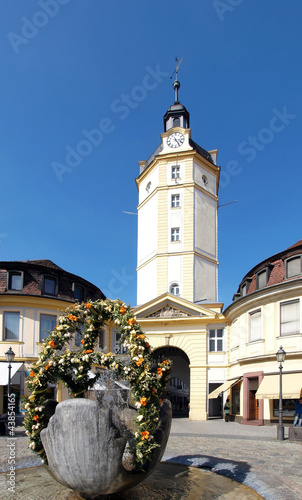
168 312
168 306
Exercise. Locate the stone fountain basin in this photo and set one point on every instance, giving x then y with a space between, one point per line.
85 446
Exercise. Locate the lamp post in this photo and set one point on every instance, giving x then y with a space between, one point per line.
10 355
280 358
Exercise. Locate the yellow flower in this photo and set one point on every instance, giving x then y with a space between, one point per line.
32 374
88 306
52 343
122 310
139 362
143 401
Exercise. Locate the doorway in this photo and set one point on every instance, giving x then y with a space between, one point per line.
215 404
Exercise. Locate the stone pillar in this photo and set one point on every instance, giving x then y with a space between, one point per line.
198 393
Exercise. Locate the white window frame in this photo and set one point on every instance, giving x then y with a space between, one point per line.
175 286
175 172
175 200
54 317
175 234
216 338
252 314
4 326
296 321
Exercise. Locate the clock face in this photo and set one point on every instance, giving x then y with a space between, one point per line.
175 140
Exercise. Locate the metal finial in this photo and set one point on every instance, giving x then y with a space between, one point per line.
176 83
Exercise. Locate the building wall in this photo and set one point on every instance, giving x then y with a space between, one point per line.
259 356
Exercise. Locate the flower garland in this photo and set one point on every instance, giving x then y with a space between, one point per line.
147 380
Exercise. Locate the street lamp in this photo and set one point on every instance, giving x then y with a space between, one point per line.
280 358
10 355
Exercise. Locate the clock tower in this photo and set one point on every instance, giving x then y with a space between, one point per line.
177 215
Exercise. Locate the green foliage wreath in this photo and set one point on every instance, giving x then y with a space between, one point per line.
56 361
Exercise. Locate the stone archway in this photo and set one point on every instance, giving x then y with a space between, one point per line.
178 389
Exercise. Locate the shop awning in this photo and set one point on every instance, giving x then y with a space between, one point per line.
4 371
222 388
291 386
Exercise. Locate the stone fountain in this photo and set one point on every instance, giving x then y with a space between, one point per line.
88 441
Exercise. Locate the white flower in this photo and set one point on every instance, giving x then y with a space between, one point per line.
62 361
140 455
32 445
140 418
85 358
27 433
81 368
138 405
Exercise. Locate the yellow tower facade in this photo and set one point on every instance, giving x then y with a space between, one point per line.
177 216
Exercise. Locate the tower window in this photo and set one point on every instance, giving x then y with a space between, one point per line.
205 180
175 234
176 122
175 172
175 200
174 289
216 340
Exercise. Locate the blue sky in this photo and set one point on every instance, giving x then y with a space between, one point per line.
67 67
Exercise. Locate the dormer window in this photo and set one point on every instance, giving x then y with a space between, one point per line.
79 292
15 280
50 285
293 266
262 278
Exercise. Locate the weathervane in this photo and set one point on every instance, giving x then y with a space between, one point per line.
176 83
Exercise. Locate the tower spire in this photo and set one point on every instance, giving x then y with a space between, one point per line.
176 83
177 115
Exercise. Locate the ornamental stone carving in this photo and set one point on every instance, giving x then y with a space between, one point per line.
168 312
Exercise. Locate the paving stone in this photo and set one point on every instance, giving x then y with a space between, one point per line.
251 455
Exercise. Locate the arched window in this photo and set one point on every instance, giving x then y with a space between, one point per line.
176 122
174 289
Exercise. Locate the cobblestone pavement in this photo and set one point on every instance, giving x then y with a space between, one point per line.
248 454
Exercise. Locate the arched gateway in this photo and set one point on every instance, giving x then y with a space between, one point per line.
178 389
